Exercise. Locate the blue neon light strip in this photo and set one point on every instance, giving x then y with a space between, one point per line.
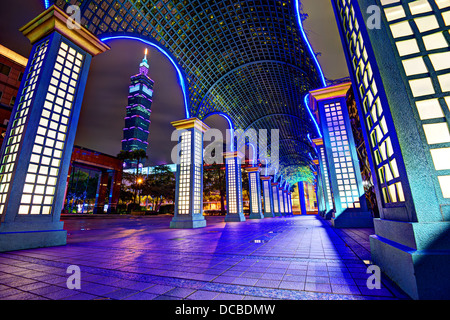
305 38
311 115
47 4
179 73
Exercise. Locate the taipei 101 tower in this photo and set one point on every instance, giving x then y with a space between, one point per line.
137 119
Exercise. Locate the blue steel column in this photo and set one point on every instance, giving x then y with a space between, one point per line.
276 202
189 177
36 153
301 195
345 176
254 183
267 196
235 206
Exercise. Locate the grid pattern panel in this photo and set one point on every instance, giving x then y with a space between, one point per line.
198 166
8 163
275 199
281 199
342 161
420 32
185 173
254 192
266 191
43 169
386 160
326 179
231 184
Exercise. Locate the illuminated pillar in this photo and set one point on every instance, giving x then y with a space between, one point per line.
324 177
301 196
341 157
286 203
189 177
235 206
254 182
281 200
276 202
290 203
36 154
268 197
401 78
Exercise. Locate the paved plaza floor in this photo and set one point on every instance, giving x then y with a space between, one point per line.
140 258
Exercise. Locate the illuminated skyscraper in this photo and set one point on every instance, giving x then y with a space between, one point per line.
137 119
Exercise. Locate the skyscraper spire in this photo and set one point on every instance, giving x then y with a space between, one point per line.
143 67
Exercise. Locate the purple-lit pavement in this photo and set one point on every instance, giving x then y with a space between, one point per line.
140 258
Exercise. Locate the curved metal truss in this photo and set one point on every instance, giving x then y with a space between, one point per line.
248 59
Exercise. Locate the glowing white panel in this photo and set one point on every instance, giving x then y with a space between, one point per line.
444 81
419 6
440 61
414 66
386 2
441 158
444 182
442 3
407 47
429 109
427 23
421 87
435 41
437 133
394 13
401 29
446 17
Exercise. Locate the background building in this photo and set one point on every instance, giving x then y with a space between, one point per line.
137 120
12 67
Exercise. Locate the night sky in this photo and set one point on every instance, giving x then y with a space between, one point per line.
101 120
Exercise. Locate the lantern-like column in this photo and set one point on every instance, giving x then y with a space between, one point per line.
268 197
235 206
37 149
254 193
276 202
281 200
189 177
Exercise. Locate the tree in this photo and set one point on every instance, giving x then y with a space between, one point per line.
214 181
160 185
135 157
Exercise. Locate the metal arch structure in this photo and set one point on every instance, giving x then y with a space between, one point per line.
247 59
